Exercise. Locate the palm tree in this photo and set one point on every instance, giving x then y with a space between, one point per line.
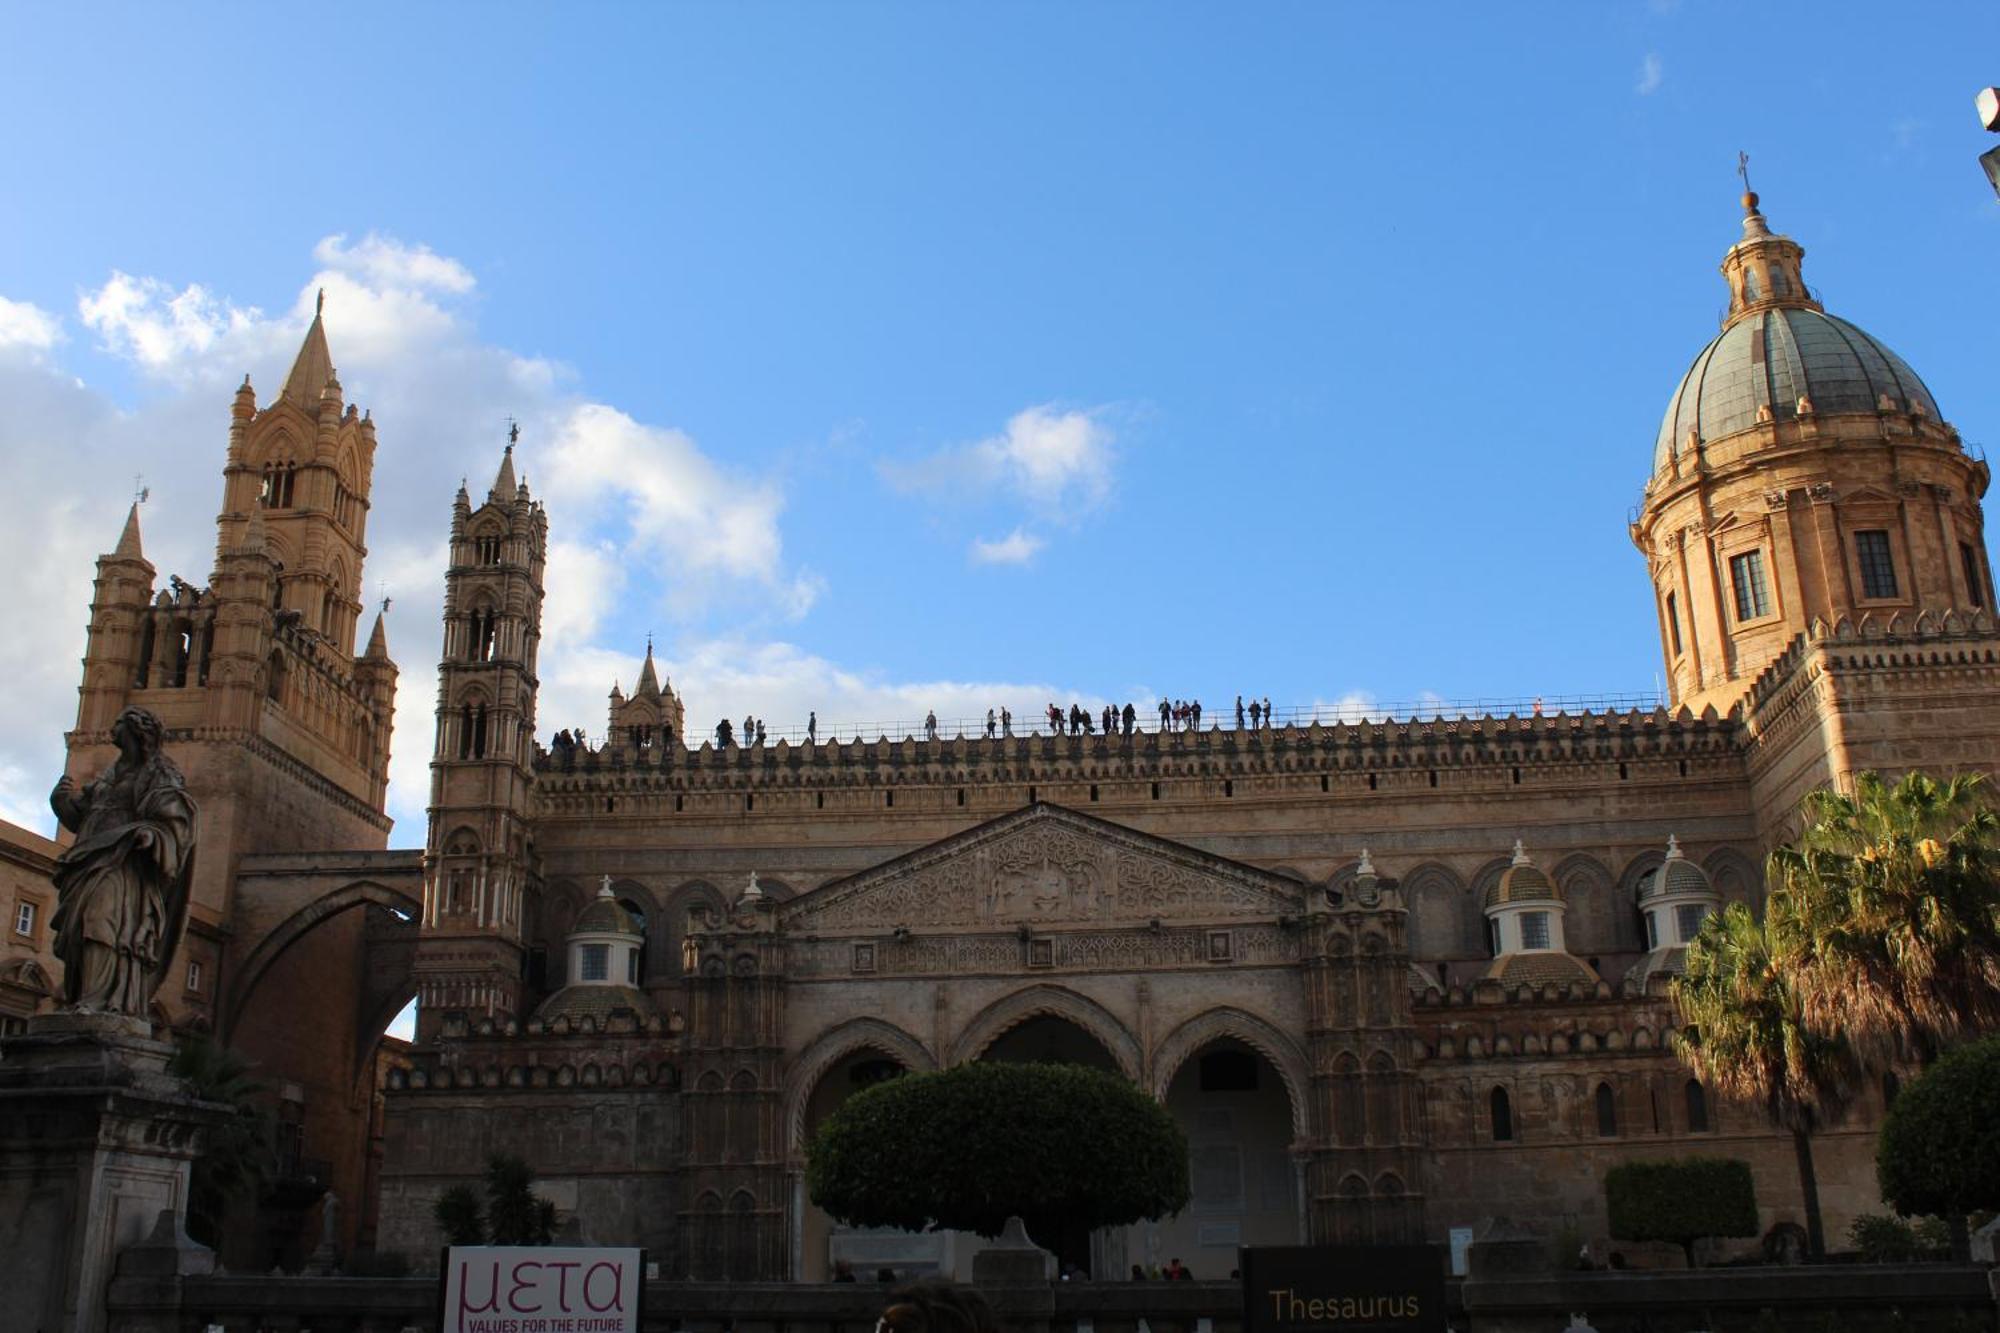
236 1152
1745 1032
1897 891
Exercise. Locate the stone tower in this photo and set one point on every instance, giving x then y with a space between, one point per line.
480 879
282 730
735 1187
1802 473
1364 1175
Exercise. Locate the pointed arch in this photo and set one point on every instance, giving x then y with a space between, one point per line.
1225 1021
1445 921
1010 1011
293 928
832 1046
1590 911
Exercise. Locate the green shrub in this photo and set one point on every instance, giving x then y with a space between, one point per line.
1682 1201
1882 1240
1060 1146
1938 1153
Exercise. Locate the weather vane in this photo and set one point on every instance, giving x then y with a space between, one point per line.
383 589
141 492
513 432
1743 169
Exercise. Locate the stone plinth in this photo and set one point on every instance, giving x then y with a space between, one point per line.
95 1141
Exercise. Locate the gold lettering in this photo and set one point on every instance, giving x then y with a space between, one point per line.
1278 1301
1317 1308
1410 1308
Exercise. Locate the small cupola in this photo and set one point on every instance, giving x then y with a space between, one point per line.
605 947
1524 925
1764 269
1675 897
605 943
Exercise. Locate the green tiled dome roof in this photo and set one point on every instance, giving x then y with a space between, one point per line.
1521 883
594 1001
1541 967
1770 359
605 916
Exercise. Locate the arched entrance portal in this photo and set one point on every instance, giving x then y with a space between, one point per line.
826 1242
1047 1038
835 1066
1240 1116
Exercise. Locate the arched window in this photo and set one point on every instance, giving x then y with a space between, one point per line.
1697 1107
1503 1116
1607 1112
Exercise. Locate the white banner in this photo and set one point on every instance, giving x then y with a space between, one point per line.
541 1289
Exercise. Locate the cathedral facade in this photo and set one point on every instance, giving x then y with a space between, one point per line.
1392 977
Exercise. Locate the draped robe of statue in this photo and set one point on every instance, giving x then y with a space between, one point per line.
123 885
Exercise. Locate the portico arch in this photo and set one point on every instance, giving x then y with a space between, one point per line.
362 893
1010 1011
1225 1021
830 1048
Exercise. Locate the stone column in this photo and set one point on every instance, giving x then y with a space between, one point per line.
95 1142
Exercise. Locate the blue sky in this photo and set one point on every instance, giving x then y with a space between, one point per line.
884 357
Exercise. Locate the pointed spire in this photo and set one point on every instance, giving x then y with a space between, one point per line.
649 680
128 541
312 371
504 485
378 640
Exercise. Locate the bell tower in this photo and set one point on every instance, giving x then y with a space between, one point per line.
479 866
305 463
1802 475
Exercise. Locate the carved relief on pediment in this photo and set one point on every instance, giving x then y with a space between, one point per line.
1045 873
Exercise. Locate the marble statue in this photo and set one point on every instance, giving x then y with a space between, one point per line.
123 885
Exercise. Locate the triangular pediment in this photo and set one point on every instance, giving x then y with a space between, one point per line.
1044 866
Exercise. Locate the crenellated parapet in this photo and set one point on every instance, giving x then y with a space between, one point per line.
1356 756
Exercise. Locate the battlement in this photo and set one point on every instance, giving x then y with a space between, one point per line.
1342 748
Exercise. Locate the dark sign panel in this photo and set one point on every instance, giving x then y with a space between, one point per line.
1344 1289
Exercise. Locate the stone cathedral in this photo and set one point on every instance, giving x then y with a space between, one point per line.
1392 977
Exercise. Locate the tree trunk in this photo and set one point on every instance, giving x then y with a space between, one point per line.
1809 1187
1961 1237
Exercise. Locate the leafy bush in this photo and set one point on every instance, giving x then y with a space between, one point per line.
1059 1145
512 1214
1938 1152
460 1216
1681 1201
236 1154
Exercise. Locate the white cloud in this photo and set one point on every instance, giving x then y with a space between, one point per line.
384 263
1016 548
27 327
673 505
1651 72
163 331
1059 463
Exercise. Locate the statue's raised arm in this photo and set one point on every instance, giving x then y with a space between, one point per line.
123 885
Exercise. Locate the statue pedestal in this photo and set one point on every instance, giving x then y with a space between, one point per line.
95 1141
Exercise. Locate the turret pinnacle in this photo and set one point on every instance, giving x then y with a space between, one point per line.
649 680
313 369
128 540
504 485
378 641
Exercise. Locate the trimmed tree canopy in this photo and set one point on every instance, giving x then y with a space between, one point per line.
1939 1152
1682 1201
968 1147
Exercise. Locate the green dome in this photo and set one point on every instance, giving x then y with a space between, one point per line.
1769 359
